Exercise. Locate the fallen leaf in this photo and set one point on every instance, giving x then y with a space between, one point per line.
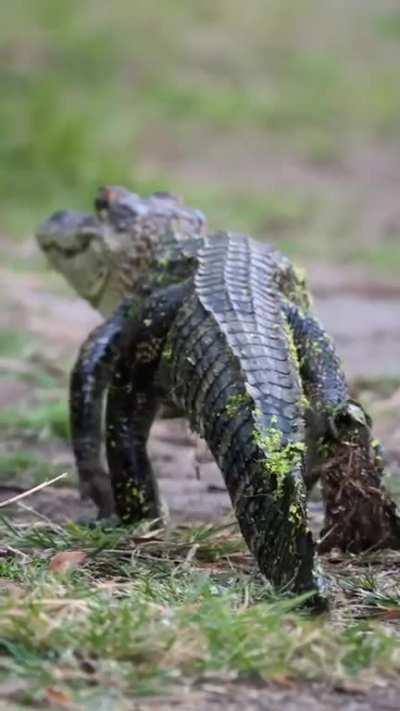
391 613
285 680
58 696
66 561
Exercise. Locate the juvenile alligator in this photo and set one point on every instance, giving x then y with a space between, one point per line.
221 326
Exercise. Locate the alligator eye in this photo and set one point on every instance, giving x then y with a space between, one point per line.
85 239
101 203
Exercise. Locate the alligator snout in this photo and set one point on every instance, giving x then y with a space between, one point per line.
67 230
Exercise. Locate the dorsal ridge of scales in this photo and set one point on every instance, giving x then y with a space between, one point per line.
236 283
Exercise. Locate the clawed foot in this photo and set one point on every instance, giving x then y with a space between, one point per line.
109 519
90 520
359 513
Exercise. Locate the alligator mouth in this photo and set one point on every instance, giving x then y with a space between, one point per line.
67 233
65 251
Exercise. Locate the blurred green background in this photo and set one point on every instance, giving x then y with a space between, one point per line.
278 117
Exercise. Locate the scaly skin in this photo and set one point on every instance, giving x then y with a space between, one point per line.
104 258
231 370
222 327
236 378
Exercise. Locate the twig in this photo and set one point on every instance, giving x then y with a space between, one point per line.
33 491
41 516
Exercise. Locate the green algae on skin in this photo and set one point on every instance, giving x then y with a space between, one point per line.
167 354
296 514
235 402
301 290
294 356
295 288
291 345
279 459
135 499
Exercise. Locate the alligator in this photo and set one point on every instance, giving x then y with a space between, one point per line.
221 326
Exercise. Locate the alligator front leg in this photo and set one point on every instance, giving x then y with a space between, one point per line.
88 384
132 402
131 407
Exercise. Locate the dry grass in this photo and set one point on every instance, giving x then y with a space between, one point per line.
138 611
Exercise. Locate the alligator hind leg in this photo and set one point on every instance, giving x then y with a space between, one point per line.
91 376
359 513
324 384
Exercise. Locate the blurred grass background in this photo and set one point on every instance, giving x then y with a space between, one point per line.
277 117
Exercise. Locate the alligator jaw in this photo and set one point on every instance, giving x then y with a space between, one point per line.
68 232
74 245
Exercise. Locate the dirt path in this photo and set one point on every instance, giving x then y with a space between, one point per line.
363 318
272 697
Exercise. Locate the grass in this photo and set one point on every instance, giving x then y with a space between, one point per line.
87 99
28 468
12 465
41 420
148 611
14 342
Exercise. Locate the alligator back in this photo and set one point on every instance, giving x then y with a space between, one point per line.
234 373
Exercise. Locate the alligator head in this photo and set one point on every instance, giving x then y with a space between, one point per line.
102 255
